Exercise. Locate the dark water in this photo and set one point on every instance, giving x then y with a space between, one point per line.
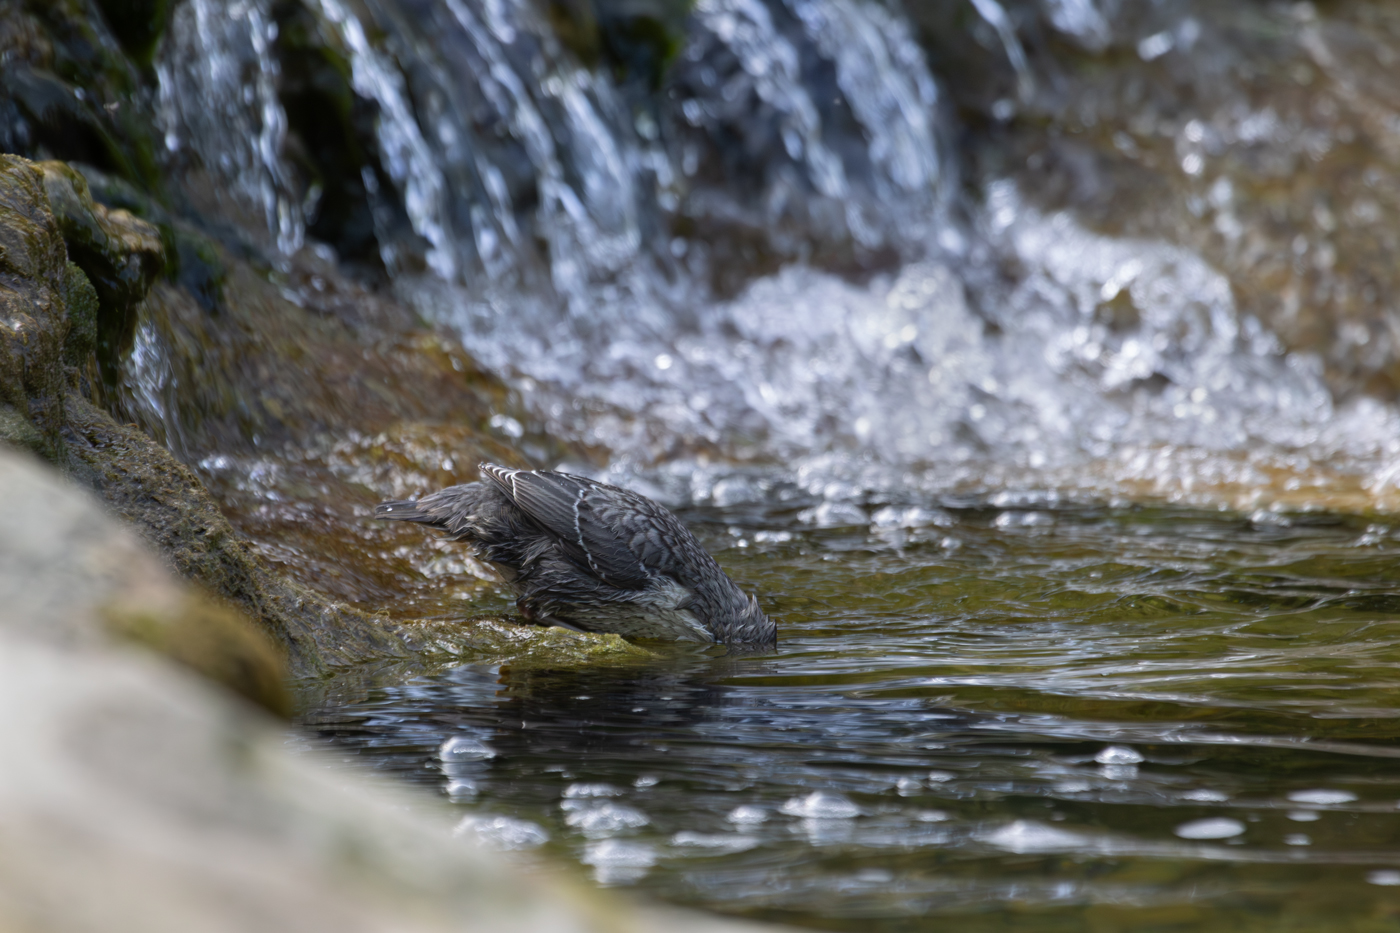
1003 719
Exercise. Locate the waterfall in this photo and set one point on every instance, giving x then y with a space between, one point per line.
766 260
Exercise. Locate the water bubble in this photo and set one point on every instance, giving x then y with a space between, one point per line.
913 517
1321 798
464 748
939 777
606 819
747 814
1119 755
833 515
1155 46
1215 827
931 816
646 780
576 791
1304 816
1385 878
1029 836
1016 519
617 862
502 832
1297 839
460 788
907 786
1205 795
718 843
822 805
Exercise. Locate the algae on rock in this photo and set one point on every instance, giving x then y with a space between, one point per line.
33 312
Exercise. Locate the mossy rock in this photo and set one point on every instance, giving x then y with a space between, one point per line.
33 314
68 88
121 254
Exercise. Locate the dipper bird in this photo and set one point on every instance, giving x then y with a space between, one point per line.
592 556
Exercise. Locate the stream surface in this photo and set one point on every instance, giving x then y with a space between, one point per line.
999 718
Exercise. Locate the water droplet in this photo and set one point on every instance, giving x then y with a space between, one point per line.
1215 827
747 814
502 832
605 819
575 791
1205 795
460 789
907 786
718 843
822 805
464 748
1322 798
1029 836
618 862
1119 755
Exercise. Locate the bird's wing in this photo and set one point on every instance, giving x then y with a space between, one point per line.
592 523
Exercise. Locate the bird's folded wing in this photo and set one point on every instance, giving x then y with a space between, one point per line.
564 506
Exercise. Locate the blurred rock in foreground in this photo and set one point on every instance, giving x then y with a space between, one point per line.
136 797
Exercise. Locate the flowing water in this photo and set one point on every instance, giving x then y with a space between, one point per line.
1036 362
1000 719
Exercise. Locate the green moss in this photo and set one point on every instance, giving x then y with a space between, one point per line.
80 301
500 642
33 318
120 254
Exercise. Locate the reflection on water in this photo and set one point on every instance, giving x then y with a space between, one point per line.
1029 718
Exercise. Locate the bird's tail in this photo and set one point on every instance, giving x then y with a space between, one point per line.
406 510
454 510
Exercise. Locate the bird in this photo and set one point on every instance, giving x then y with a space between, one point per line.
590 556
